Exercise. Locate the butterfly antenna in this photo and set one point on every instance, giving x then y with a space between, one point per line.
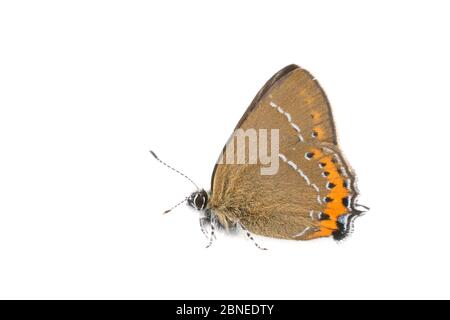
167 211
182 174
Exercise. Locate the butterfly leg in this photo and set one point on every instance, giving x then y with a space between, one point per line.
249 235
212 236
203 222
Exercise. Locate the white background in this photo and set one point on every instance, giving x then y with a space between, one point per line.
88 87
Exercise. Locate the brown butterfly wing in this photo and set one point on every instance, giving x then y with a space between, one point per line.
311 195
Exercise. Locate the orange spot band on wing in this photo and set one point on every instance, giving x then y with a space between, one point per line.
335 207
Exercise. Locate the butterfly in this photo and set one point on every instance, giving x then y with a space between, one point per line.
313 193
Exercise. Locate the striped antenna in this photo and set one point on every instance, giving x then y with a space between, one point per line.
180 173
167 211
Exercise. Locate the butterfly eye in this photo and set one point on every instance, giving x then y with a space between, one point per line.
198 200
191 200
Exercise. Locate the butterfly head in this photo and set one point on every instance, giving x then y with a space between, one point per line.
198 200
